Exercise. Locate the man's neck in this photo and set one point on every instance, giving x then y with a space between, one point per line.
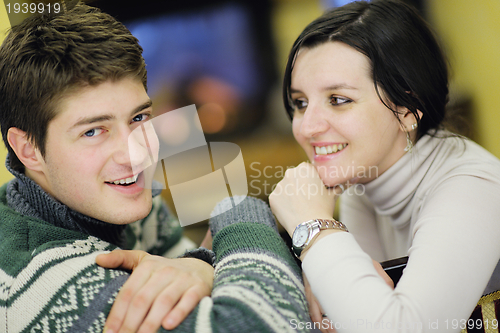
27 197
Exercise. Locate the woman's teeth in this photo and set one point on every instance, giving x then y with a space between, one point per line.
324 150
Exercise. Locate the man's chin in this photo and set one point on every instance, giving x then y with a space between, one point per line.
126 218
127 212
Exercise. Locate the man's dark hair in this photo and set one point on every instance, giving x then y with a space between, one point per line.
48 57
407 63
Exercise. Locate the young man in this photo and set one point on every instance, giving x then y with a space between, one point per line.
72 89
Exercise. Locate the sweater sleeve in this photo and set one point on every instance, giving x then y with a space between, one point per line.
257 287
453 255
257 284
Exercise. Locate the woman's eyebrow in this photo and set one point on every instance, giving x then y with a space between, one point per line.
337 86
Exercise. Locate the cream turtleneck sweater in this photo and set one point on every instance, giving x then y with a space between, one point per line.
440 205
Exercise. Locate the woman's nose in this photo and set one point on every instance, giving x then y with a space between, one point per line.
313 122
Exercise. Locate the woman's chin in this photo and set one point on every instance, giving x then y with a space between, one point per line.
333 182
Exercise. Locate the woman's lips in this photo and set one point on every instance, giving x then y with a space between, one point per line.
329 149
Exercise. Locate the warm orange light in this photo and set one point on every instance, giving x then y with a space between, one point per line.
212 117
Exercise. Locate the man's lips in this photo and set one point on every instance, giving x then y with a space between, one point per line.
125 180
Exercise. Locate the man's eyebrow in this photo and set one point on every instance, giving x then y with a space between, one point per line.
338 86
106 117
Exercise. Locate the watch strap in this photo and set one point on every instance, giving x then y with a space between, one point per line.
331 224
321 224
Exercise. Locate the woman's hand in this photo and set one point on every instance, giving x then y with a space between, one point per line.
301 196
315 310
159 291
207 240
383 274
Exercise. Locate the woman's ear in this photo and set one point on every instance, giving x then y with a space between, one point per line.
408 119
24 149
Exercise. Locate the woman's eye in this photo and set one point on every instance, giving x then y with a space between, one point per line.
93 132
140 117
334 100
300 103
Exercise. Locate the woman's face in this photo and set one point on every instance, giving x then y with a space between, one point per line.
339 120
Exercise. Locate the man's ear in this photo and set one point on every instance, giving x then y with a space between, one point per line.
26 152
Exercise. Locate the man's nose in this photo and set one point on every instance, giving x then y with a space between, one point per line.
134 147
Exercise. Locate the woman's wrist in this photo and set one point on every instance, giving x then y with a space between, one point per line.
304 219
322 234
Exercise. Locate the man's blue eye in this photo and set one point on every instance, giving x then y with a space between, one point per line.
140 117
93 132
90 133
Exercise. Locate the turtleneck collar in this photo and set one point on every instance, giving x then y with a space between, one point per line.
391 192
27 198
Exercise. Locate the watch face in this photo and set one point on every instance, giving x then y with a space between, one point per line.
300 236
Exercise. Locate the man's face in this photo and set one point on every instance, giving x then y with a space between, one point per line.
87 152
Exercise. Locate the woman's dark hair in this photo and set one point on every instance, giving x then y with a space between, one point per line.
406 60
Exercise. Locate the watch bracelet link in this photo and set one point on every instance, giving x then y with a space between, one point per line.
325 224
331 224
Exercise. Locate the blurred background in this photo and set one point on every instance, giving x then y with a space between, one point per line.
228 56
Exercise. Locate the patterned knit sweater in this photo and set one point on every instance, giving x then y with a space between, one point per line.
49 281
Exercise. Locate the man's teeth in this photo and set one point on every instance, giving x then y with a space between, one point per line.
324 150
126 181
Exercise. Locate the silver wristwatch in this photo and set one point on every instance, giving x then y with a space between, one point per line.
305 232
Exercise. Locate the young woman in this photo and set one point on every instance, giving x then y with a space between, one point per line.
366 85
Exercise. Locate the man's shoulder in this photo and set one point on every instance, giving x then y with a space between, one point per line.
24 235
25 240
21 257
58 282
3 194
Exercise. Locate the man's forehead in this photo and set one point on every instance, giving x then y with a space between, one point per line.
93 103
